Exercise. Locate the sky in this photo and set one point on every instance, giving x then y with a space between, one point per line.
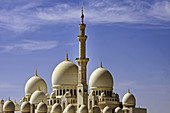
132 37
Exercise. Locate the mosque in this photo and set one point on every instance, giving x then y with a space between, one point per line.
70 90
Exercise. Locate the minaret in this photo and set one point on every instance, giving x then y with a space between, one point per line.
82 88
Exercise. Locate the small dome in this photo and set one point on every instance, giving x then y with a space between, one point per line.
9 106
25 107
33 83
118 110
129 100
56 108
96 109
42 107
52 95
70 109
101 78
37 97
83 109
107 109
66 73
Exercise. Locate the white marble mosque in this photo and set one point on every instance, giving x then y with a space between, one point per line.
70 90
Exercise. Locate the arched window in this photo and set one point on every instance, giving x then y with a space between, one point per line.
63 91
67 89
99 92
74 92
54 101
96 92
108 93
95 103
85 90
105 92
51 102
90 104
57 92
71 91
60 92
57 101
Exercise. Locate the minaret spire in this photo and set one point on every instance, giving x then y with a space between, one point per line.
82 16
66 55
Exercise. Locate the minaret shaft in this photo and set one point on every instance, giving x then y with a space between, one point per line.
82 88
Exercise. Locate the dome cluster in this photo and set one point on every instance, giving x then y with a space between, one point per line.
70 90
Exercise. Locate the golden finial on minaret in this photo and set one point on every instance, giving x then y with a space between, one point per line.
9 99
100 63
36 73
82 16
66 55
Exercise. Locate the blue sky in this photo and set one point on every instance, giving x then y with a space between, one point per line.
132 37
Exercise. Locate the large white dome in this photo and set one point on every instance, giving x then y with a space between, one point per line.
66 73
33 83
101 78
129 100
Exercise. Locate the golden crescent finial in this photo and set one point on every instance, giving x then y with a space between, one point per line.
36 73
66 55
100 63
38 88
82 15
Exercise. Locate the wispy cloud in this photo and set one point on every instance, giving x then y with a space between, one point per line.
30 16
7 85
126 84
28 45
161 11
